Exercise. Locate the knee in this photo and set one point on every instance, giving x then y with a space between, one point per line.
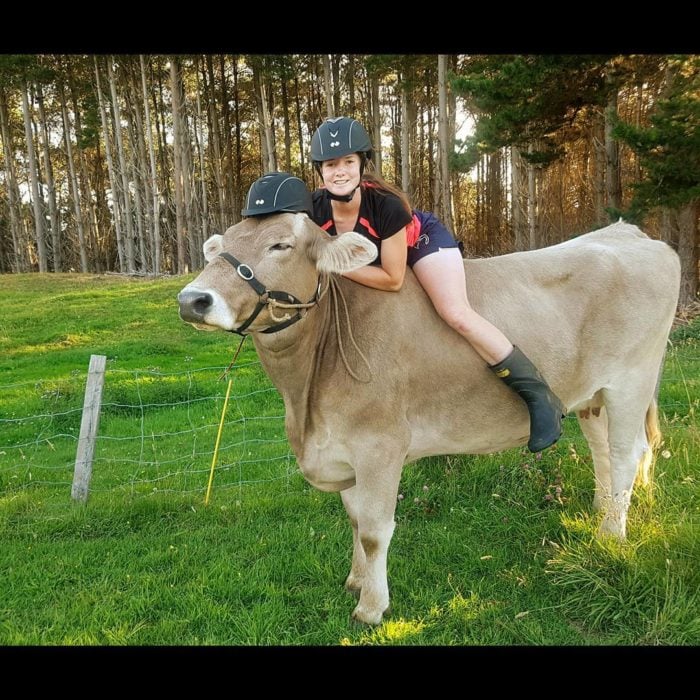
456 317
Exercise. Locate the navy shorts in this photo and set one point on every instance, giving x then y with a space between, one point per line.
433 237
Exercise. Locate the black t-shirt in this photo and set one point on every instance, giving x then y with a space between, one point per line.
381 216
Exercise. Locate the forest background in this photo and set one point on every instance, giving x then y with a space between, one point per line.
127 163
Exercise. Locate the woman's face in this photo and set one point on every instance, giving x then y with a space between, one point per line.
341 175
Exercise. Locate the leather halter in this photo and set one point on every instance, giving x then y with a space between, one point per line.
266 297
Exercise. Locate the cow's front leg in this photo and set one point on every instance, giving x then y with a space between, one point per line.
373 501
353 583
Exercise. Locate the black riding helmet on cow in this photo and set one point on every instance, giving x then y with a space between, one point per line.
277 192
338 137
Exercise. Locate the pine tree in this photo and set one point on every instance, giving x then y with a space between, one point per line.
669 149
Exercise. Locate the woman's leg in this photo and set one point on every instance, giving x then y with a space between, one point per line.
441 274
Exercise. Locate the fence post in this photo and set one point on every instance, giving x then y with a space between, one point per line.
88 428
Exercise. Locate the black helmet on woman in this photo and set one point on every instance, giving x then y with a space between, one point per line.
277 192
338 137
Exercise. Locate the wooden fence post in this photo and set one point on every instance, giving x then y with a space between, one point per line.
88 428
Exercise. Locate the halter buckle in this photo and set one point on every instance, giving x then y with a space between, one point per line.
245 272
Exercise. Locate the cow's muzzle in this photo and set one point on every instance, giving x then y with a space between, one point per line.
194 305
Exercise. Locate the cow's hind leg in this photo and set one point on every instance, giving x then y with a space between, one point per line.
372 502
593 420
626 438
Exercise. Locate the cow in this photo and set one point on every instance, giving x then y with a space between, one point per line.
373 380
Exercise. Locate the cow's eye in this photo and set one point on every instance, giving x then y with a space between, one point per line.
280 246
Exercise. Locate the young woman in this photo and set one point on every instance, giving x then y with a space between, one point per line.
352 199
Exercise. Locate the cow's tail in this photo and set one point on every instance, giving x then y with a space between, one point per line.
645 469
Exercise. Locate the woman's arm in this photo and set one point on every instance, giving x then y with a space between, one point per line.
390 275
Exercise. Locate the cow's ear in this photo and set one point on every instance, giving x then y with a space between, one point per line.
344 253
213 246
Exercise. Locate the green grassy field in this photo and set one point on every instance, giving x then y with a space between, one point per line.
495 550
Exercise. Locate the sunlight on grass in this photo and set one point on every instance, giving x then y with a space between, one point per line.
67 340
469 608
391 632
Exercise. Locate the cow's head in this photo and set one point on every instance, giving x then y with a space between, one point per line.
281 253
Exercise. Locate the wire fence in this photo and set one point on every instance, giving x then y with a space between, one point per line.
158 430
156 434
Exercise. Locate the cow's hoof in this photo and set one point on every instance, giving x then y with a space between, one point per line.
368 617
611 527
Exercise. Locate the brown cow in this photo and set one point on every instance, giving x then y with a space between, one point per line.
373 380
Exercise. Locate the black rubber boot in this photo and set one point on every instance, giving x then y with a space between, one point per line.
546 410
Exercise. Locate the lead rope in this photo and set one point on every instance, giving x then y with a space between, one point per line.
335 292
224 374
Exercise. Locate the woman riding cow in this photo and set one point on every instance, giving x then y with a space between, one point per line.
353 198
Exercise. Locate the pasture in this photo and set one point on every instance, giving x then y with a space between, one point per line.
495 550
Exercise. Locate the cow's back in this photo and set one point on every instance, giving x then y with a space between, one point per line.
599 300
587 288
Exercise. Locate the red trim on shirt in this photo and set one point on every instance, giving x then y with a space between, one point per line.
413 231
368 226
327 225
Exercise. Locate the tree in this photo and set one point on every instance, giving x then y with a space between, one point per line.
445 144
669 153
13 196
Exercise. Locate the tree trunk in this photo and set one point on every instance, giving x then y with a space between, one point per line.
129 248
532 202
155 209
231 166
195 250
168 242
688 252
405 149
90 203
75 190
376 123
37 203
139 163
50 185
328 85
302 147
351 84
479 219
116 208
430 203
266 125
601 217
215 146
612 156
517 197
13 196
444 144
238 194
178 166
335 70
203 228
287 130
139 205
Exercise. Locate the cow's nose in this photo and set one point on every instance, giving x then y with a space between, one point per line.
194 304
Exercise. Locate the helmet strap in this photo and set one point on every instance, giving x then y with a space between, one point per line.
340 197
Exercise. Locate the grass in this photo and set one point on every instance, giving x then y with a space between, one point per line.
494 550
